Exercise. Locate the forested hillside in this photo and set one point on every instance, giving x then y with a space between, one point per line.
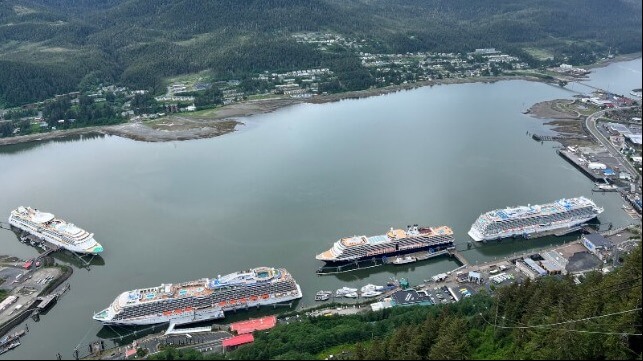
550 319
139 43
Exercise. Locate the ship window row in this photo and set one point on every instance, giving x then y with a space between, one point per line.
419 241
536 220
564 214
39 228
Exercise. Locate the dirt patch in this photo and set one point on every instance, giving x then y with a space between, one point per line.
553 109
173 128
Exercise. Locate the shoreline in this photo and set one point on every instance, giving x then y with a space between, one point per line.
224 120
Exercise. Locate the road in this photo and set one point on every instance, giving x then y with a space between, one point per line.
590 123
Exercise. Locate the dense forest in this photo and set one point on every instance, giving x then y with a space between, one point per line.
549 319
53 46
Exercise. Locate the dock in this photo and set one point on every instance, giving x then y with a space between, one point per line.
353 266
455 253
46 301
550 138
576 162
379 261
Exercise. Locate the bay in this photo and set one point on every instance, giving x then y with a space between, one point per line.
285 187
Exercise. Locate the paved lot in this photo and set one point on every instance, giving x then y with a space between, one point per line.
439 294
26 287
582 261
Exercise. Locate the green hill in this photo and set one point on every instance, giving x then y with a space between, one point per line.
140 43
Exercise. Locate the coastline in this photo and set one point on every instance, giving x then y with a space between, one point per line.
224 120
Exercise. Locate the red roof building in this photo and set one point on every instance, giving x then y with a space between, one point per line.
238 340
250 326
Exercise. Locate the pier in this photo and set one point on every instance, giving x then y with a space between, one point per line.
46 301
379 261
6 226
455 253
541 138
576 162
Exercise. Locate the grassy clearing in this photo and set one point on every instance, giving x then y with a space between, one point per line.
190 78
23 10
540 54
337 350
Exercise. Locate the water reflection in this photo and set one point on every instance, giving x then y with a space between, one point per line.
24 147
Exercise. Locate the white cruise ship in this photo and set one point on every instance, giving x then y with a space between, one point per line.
203 299
530 221
53 230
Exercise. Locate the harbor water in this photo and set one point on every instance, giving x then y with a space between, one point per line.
287 185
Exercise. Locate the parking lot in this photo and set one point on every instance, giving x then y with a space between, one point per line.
25 285
439 294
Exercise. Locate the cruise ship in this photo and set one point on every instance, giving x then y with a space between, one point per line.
46 227
203 299
394 242
531 221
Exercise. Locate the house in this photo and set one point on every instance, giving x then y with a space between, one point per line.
597 244
634 140
475 277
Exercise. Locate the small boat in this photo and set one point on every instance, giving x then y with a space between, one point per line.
344 291
10 347
602 187
371 287
323 295
404 260
351 295
369 294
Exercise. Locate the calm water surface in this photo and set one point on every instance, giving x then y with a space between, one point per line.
285 187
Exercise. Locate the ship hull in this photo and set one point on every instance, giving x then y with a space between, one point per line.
529 232
198 315
184 318
428 248
48 238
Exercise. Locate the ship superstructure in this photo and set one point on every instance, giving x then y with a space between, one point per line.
394 242
203 299
531 221
46 226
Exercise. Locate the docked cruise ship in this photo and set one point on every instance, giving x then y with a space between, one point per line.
394 242
46 227
531 221
203 299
